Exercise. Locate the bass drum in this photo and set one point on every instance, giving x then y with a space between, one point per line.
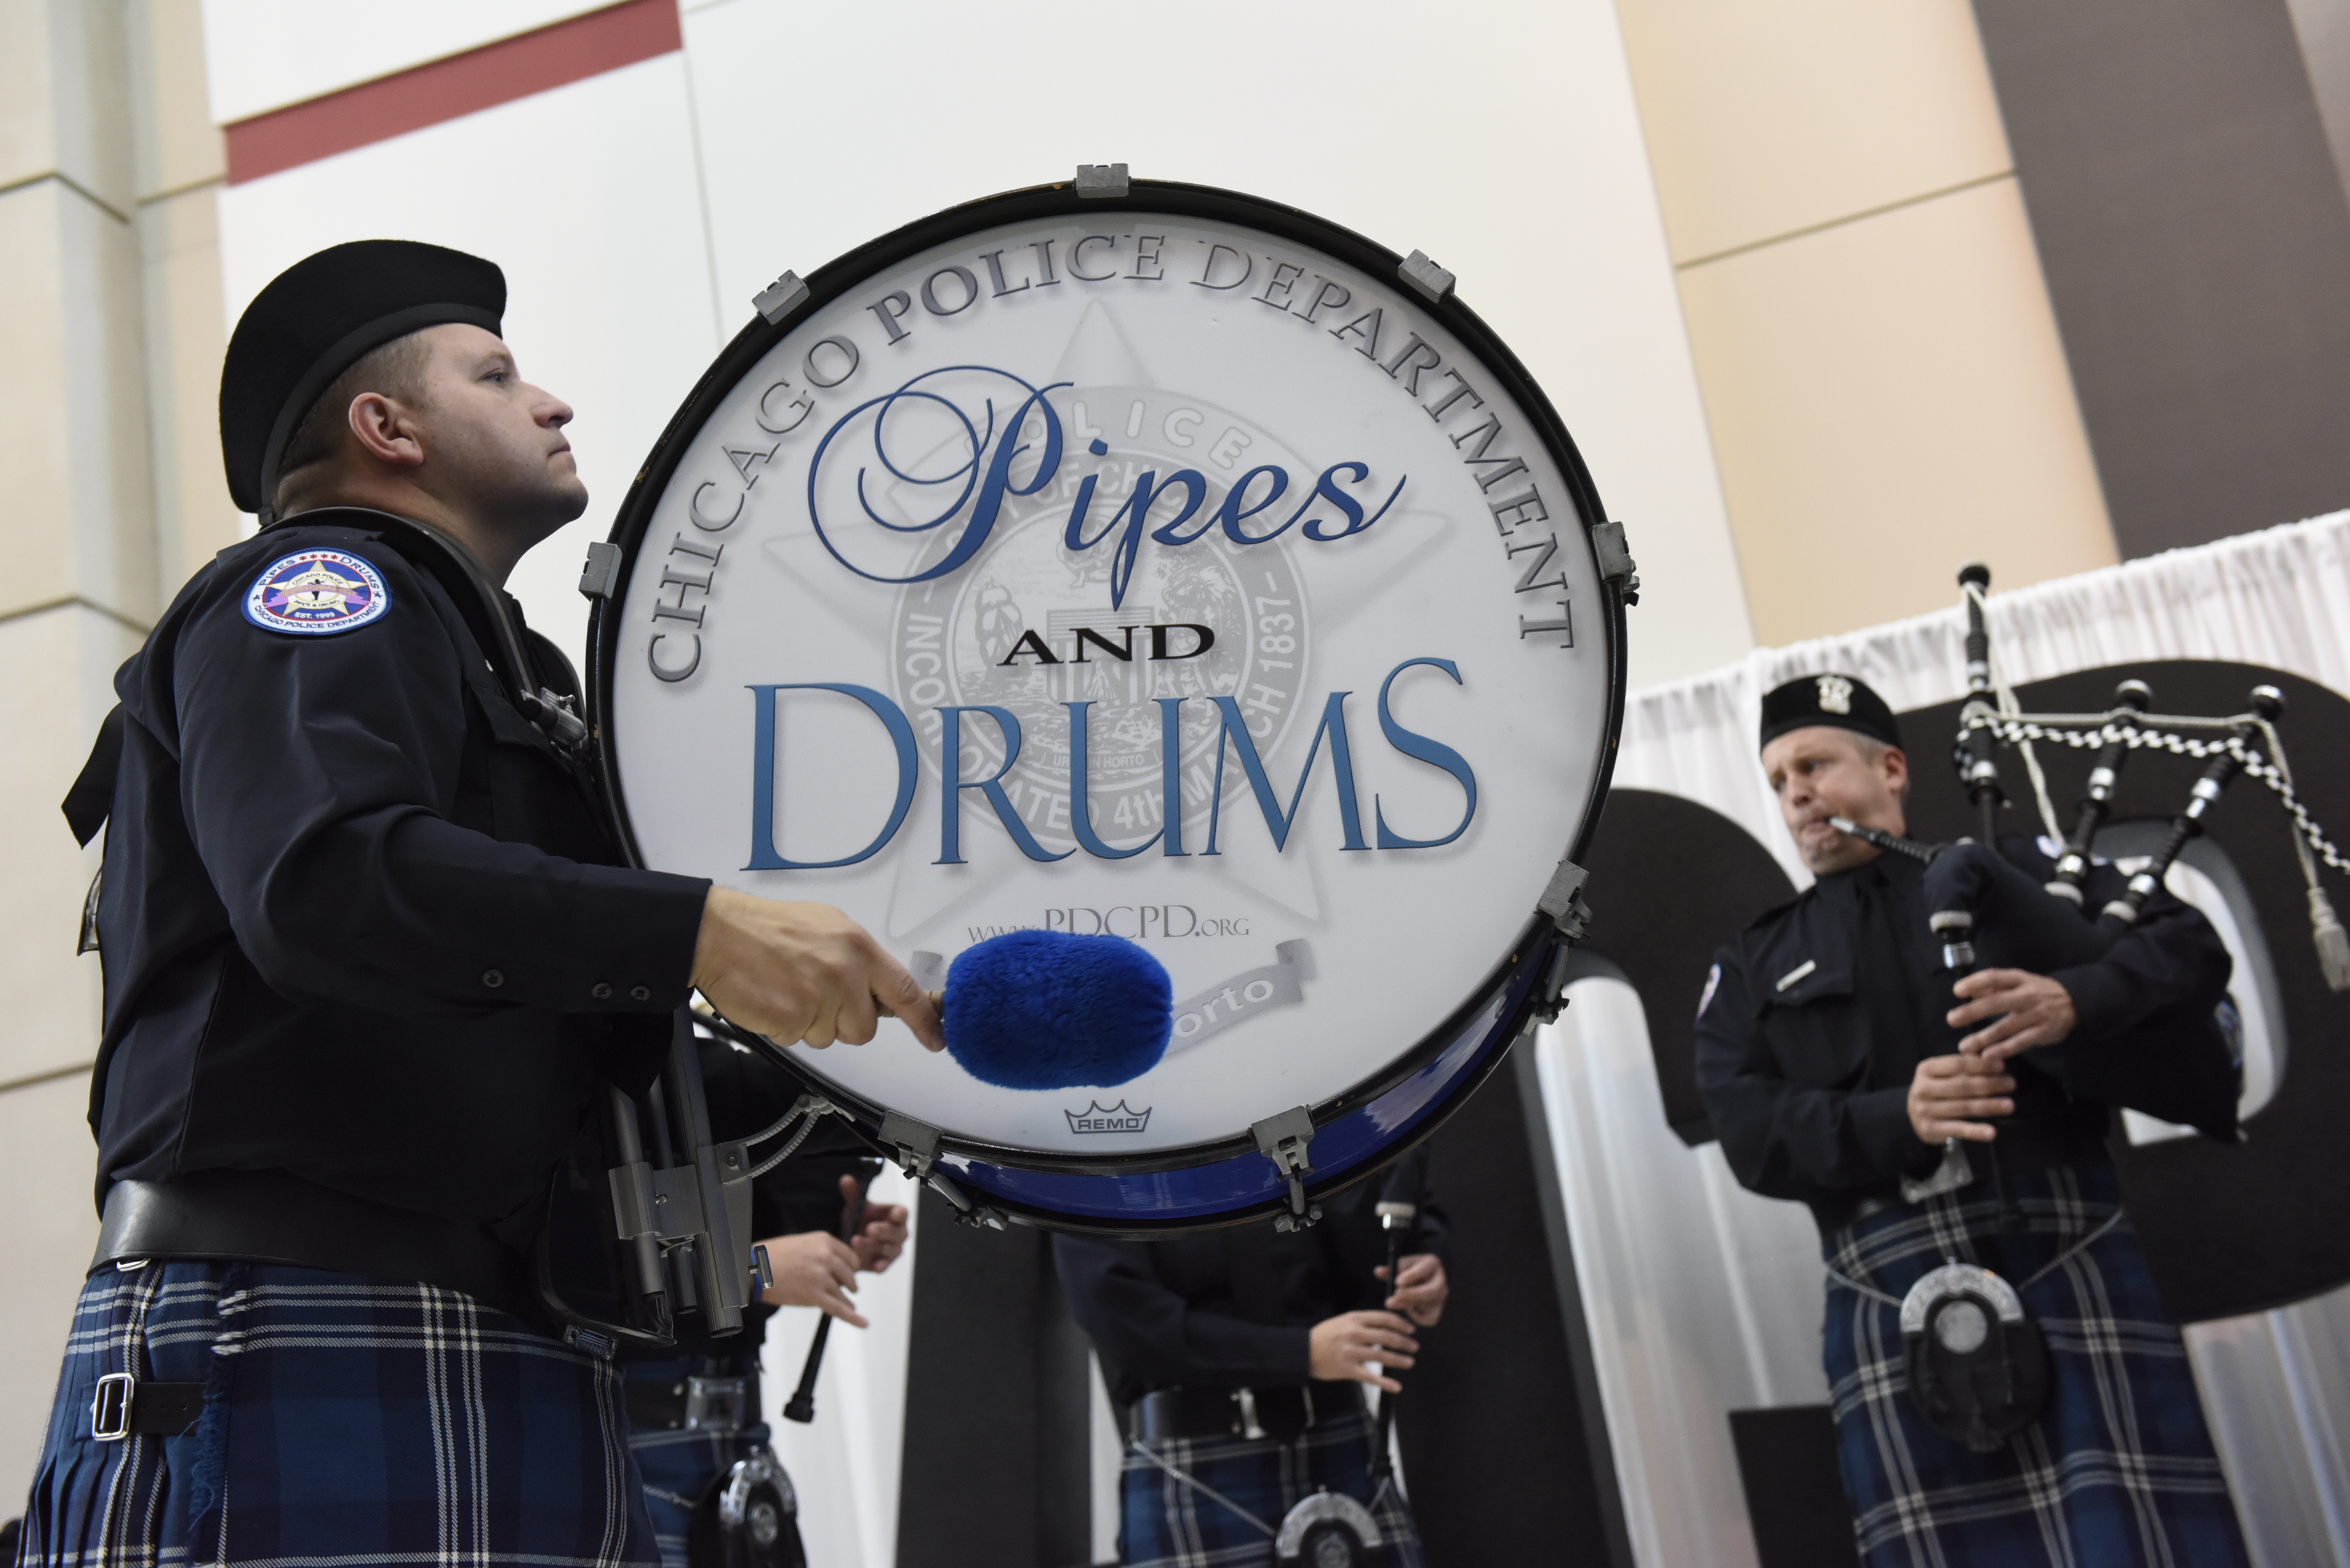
1149 559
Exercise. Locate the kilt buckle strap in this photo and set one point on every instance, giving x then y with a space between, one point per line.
124 1407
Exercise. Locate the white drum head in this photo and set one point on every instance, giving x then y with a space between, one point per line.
908 512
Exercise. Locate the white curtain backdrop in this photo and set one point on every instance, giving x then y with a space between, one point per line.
1702 1298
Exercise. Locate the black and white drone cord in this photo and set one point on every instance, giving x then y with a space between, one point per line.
2143 731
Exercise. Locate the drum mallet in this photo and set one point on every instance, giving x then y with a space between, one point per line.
1054 1009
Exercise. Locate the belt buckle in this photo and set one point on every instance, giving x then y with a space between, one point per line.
109 1411
716 1403
1247 1425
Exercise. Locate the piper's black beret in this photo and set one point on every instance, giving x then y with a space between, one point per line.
1841 700
319 318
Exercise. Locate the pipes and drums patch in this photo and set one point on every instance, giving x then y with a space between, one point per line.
316 593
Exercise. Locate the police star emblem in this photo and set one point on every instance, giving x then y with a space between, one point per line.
316 593
1835 694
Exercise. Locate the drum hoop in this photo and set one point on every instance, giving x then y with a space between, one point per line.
1178 200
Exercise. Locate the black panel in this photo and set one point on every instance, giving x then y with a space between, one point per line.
2229 1229
2196 242
1671 880
995 1468
1795 1496
1504 1458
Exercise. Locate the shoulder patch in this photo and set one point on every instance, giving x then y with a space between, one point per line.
316 593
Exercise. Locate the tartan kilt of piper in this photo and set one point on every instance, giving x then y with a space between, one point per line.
1163 1523
2117 1470
345 1420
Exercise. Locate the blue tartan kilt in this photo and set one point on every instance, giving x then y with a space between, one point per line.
1165 1523
345 1420
2117 1470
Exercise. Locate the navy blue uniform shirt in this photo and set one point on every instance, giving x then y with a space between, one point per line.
1815 1017
358 920
1178 1313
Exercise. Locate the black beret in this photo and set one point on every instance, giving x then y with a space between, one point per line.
319 318
1840 701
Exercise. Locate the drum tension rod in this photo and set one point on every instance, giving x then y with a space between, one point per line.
916 1144
1285 1140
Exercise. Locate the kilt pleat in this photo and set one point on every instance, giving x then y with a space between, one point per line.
1163 1523
345 1420
2118 1470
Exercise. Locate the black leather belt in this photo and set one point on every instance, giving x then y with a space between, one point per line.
270 1217
718 1406
1280 1414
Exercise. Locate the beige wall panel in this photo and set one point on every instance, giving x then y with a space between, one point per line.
46 1168
53 1013
1765 117
176 145
1888 400
73 414
186 336
64 107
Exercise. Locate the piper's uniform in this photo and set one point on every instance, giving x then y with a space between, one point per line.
367 951
1811 1027
1199 1335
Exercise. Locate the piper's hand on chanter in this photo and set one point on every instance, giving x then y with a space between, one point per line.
1420 1287
803 972
1345 1347
1949 1097
812 1268
2025 1009
881 1233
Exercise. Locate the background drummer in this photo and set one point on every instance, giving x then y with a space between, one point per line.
366 951
1199 1335
1834 1064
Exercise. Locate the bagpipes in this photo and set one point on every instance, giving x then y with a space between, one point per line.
1985 907
2043 926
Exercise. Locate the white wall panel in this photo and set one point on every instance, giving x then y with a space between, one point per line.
585 195
265 54
1501 140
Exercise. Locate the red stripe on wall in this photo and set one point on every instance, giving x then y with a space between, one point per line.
567 51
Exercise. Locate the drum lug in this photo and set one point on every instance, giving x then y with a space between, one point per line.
1421 274
1285 1140
1562 900
778 298
916 1144
1617 567
600 577
1102 180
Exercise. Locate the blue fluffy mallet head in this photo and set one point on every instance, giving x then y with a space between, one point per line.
1049 1010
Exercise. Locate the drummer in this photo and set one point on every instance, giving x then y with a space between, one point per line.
1238 1359
366 951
